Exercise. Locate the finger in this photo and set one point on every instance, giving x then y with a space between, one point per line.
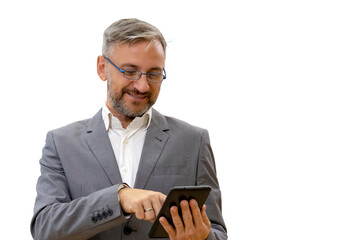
196 214
205 217
149 211
178 223
168 227
156 204
162 198
186 214
150 215
139 212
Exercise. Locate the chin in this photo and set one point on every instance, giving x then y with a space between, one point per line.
133 112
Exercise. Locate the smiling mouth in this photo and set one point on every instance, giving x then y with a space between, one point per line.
138 95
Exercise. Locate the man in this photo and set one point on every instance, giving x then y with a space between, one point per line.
105 177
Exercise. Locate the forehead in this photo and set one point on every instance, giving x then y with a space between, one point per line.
142 53
138 44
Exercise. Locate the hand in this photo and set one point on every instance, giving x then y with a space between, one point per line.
194 224
145 204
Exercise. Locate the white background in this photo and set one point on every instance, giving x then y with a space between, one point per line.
276 83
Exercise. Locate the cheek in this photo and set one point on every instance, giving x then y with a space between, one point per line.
155 92
116 87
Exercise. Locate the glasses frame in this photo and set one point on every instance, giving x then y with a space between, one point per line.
140 73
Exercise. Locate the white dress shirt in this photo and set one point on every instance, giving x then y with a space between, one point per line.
127 143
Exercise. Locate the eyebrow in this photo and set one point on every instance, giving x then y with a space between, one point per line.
128 65
133 66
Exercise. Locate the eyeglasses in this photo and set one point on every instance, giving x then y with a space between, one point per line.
133 74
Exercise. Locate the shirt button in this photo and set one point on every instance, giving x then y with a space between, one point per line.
126 141
124 169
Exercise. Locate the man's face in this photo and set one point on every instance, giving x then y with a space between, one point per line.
133 98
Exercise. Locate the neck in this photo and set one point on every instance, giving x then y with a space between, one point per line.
125 120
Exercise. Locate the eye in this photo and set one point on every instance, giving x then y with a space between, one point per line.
131 73
155 76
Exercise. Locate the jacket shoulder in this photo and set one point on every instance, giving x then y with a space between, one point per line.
175 124
78 126
180 124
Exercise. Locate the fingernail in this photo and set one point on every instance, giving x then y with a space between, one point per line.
183 203
173 209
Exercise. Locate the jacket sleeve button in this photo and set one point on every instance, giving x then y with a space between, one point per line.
110 212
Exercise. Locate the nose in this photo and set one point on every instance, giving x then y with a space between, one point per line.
142 84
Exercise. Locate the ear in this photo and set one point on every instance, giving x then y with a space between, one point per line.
101 67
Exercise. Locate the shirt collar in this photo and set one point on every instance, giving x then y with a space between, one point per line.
111 121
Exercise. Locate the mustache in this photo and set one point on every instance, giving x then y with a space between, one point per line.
137 92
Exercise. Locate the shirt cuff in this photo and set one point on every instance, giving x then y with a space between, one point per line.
122 186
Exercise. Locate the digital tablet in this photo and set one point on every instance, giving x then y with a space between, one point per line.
175 196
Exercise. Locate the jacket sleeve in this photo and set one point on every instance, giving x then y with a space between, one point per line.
206 175
58 216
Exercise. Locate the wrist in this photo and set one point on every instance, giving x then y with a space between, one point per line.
121 187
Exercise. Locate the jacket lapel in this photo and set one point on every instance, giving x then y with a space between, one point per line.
99 144
155 141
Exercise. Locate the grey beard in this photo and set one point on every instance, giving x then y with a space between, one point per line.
120 108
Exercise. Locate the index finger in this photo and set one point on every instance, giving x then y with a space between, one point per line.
162 198
157 202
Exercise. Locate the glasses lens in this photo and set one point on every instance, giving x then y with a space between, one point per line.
131 74
155 77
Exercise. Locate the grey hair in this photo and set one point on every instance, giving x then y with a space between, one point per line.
130 31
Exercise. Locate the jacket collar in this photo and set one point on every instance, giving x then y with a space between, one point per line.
99 144
155 141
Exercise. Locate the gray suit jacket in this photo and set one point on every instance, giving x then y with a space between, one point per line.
77 189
